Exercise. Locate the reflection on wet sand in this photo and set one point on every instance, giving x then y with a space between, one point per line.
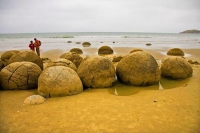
121 89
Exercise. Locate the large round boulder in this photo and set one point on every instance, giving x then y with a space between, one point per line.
86 44
26 56
20 76
62 62
76 50
75 58
6 56
139 69
176 68
1 64
105 50
59 81
96 72
175 52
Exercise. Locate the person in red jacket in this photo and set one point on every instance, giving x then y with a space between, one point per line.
32 46
37 45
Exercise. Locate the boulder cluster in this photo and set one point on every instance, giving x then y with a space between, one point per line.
71 73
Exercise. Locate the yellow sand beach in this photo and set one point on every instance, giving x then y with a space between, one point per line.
169 107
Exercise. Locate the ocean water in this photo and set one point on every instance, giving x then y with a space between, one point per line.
113 39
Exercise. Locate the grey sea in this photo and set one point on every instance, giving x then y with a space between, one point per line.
113 39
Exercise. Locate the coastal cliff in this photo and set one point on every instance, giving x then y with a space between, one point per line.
191 31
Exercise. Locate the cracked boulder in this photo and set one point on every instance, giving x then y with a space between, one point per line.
176 68
61 62
75 58
175 52
26 56
7 55
96 72
59 81
139 69
20 76
105 50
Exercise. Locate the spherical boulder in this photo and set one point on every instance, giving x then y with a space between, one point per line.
62 62
135 50
6 56
20 76
76 50
26 56
176 52
1 64
176 68
75 58
105 50
86 44
139 69
59 81
96 72
35 99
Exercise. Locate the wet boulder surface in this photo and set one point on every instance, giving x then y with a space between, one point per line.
175 52
75 58
105 50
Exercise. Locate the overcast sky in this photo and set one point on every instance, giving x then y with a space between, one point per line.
162 16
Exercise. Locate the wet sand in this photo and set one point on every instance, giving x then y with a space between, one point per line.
167 107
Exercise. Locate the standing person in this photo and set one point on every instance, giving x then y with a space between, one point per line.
32 46
37 45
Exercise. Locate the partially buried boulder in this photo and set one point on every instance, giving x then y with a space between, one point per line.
75 58
138 68
35 99
105 50
59 81
26 56
61 62
176 68
117 58
76 50
86 44
96 72
7 55
20 76
176 52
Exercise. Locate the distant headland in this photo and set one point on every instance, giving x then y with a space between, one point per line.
191 31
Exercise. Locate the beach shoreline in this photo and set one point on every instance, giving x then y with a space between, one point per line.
148 110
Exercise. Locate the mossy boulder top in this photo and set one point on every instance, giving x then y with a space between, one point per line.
138 68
